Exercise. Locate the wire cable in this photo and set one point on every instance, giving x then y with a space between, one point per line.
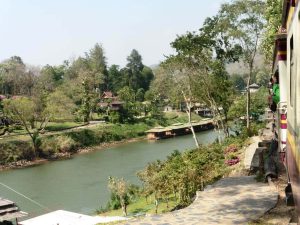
24 196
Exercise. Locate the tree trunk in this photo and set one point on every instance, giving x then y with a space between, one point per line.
226 129
124 207
156 205
191 125
167 199
175 195
248 101
32 124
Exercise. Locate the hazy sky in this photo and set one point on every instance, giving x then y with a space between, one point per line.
50 31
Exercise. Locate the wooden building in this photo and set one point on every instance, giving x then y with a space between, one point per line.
178 129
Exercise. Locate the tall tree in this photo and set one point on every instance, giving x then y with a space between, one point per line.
97 63
115 78
134 69
205 55
178 71
12 73
243 21
51 77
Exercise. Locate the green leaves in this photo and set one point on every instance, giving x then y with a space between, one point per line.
272 15
183 173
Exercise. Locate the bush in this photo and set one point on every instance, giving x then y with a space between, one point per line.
14 151
231 148
231 162
114 117
57 144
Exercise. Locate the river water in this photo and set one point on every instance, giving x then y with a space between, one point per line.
80 184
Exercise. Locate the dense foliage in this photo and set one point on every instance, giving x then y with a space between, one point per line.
273 16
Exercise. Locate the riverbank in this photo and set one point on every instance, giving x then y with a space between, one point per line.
64 156
19 154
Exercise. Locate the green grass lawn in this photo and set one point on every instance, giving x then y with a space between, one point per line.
58 126
141 207
21 134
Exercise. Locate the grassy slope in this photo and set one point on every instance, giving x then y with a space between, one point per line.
141 206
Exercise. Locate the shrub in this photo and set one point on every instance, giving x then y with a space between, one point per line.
231 148
14 151
57 144
232 159
231 162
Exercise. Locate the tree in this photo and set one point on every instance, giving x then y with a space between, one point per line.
129 109
146 78
273 15
152 181
97 64
244 23
59 107
163 87
136 75
140 95
86 104
115 78
182 78
51 77
12 72
238 82
120 188
23 110
258 104
262 78
204 56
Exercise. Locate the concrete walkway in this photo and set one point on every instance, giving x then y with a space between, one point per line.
233 200
250 160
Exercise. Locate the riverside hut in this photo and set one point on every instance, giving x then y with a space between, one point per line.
178 129
159 133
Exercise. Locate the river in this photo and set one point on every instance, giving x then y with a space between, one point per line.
80 184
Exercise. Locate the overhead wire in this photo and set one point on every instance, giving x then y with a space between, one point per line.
24 196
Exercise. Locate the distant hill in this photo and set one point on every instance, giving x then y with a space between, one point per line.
240 68
154 66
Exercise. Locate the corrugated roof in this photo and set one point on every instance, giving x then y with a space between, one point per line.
178 126
63 217
12 216
9 210
5 202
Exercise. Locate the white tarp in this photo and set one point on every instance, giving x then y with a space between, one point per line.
62 217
